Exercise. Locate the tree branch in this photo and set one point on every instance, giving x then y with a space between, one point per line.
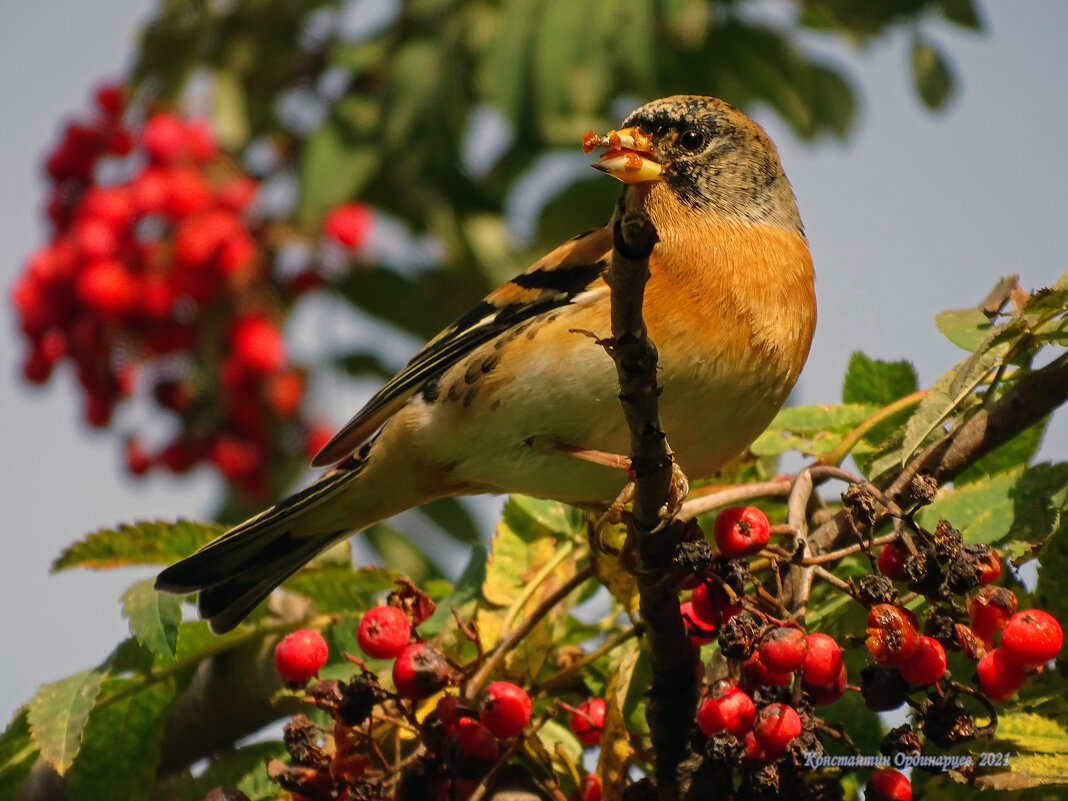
1033 396
671 700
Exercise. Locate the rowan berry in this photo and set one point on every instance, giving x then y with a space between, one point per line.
775 726
740 531
700 633
470 748
383 632
823 660
587 721
420 671
1031 638
990 610
258 344
299 655
893 635
782 649
887 784
505 709
727 709
999 678
589 789
755 674
823 694
703 604
347 224
891 561
927 665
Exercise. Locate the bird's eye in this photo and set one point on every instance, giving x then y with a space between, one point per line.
692 141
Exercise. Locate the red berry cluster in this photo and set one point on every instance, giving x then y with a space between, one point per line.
158 277
462 737
758 712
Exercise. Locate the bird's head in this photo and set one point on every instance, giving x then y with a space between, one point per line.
712 156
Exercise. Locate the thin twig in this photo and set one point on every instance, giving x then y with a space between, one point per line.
505 646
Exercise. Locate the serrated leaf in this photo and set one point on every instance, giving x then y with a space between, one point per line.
931 75
521 544
1030 732
341 588
144 542
17 754
154 617
58 713
557 518
875 381
121 744
813 430
945 397
965 328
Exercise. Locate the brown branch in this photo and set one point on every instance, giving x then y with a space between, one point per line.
1032 397
671 700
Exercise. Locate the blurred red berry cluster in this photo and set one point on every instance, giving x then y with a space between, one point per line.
157 279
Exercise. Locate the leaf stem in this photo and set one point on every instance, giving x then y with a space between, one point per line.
838 454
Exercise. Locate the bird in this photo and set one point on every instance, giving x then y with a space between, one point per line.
508 398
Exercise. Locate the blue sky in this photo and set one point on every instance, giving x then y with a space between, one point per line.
916 213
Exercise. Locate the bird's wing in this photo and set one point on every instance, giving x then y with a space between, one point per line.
551 282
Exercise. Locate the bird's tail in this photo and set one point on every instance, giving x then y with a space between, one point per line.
236 571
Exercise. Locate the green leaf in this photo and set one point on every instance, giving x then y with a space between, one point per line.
144 542
874 381
931 75
1030 732
401 554
947 395
453 517
121 745
522 510
982 510
966 328
963 13
57 716
17 754
1017 452
340 588
813 430
468 588
334 167
154 617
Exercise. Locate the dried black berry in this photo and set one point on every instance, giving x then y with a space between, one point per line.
871 590
882 687
739 635
693 556
900 740
924 573
941 625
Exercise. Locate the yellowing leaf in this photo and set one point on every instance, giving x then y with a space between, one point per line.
144 542
58 712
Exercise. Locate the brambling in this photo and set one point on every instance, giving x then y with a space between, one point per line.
510 397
